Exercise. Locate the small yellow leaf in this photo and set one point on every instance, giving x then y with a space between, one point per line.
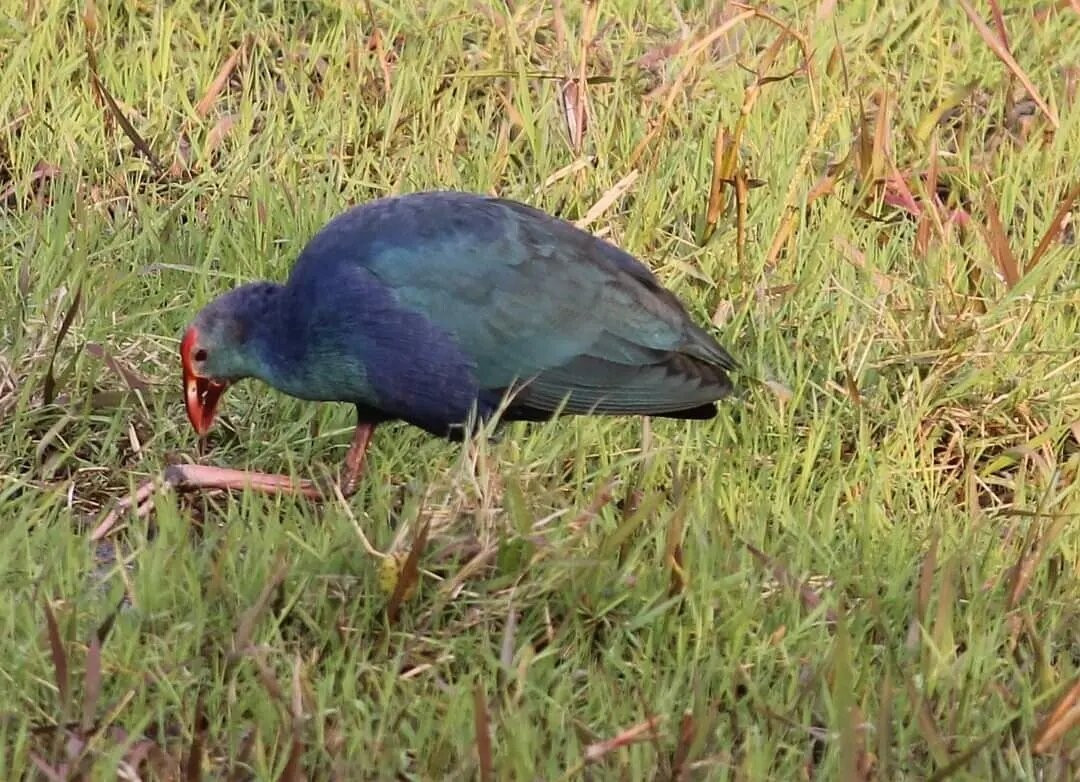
390 571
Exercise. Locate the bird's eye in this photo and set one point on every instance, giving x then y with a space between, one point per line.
200 354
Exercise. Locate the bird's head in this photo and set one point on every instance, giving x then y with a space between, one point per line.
217 349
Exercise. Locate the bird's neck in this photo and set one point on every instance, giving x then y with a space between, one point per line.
264 325
299 349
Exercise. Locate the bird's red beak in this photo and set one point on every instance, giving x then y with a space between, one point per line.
201 394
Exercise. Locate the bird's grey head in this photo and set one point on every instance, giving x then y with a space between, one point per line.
218 347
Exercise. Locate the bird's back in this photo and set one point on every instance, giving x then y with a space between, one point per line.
527 298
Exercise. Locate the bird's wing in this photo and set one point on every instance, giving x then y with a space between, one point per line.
536 301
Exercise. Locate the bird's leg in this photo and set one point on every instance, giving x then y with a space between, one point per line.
354 459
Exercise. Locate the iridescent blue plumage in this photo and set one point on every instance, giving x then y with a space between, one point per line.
421 306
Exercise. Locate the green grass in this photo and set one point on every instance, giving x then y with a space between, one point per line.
879 567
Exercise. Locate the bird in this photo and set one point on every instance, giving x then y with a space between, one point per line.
438 308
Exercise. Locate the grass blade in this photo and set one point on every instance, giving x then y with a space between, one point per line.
999 47
482 725
49 388
59 659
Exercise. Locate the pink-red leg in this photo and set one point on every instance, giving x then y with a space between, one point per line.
354 459
194 477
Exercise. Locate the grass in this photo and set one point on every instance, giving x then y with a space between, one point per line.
867 572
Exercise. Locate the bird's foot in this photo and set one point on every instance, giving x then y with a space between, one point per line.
192 477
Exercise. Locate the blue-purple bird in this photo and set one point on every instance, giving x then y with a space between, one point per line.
433 308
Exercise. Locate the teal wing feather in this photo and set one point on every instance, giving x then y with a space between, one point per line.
535 302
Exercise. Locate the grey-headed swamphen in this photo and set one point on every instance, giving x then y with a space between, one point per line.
429 308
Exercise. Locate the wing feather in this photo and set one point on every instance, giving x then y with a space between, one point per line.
534 300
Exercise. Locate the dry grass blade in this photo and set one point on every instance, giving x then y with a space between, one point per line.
811 599
482 724
742 206
182 158
643 731
23 283
1030 557
692 53
449 588
296 701
246 627
509 640
924 591
129 130
598 503
930 218
793 206
999 23
575 104
925 129
720 176
961 759
579 164
998 242
89 18
91 685
681 756
209 98
998 47
613 194
673 552
883 727
48 392
52 774
43 170
59 658
1057 224
558 22
193 764
375 43
784 232
866 763
1062 718
825 185
293 772
217 134
265 674
409 576
863 150
942 631
726 170
853 255
131 378
927 725
897 193
881 156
